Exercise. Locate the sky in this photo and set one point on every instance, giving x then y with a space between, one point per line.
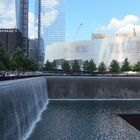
101 16
94 16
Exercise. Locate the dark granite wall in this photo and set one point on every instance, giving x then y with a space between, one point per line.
93 87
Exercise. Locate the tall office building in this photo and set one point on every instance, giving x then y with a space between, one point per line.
49 24
40 42
52 21
22 19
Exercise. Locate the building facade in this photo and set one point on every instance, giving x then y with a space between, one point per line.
38 25
49 24
11 39
106 49
52 30
22 19
33 49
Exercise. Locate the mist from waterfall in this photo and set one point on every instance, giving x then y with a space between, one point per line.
105 49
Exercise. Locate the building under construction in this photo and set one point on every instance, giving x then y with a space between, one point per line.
100 48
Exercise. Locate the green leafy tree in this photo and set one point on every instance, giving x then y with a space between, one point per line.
66 66
75 66
136 67
48 66
18 60
92 66
114 66
30 65
4 59
125 66
86 65
89 66
102 67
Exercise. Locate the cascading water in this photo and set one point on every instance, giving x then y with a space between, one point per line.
21 105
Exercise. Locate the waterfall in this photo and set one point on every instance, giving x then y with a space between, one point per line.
21 105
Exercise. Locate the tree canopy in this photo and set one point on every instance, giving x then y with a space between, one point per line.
114 66
20 62
66 66
102 67
75 66
4 59
136 67
48 66
125 66
89 66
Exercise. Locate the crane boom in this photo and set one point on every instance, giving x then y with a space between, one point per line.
134 31
77 31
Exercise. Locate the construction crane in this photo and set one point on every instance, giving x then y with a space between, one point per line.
78 31
134 31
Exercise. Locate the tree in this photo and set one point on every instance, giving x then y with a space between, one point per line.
48 66
75 66
85 65
136 67
89 66
4 59
102 67
30 65
114 66
92 66
18 60
125 66
66 66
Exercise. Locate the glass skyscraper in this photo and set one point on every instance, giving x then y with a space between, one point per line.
22 19
52 21
49 22
40 42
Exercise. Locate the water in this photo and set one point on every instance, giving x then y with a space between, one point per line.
21 105
87 120
23 101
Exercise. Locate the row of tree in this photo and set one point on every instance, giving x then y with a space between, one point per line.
90 66
18 61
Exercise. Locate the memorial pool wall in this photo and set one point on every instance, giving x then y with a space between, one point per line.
108 88
23 101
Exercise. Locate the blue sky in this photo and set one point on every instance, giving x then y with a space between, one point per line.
32 5
96 13
97 16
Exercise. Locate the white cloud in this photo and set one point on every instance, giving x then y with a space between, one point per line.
7 14
49 17
125 25
49 14
100 28
31 25
51 4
